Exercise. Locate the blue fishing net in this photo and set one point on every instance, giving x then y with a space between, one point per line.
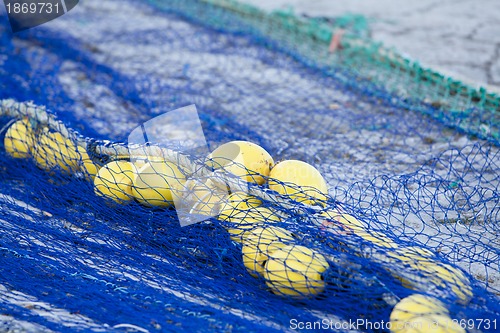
412 205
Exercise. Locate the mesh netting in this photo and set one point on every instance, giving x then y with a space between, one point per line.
89 239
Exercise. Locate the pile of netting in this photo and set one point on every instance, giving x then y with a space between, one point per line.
317 199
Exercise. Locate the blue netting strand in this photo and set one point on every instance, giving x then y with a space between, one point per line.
71 260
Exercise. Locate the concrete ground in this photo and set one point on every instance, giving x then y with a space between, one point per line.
460 38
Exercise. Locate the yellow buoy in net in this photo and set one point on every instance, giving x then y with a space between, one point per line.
156 182
237 202
244 159
261 241
18 139
335 216
249 219
418 268
295 270
419 314
376 238
114 181
52 150
447 276
87 166
298 180
420 251
350 224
